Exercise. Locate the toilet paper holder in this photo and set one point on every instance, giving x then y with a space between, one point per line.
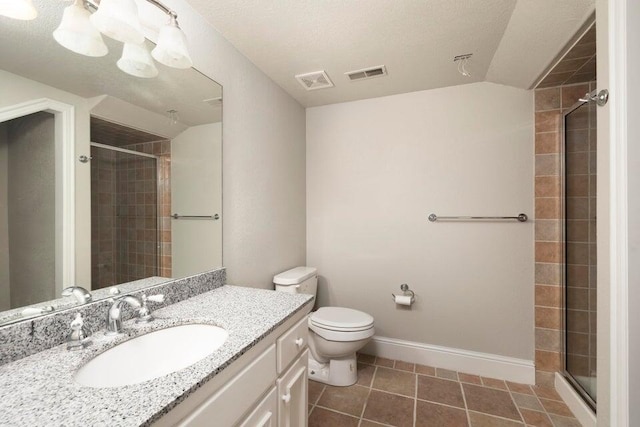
405 292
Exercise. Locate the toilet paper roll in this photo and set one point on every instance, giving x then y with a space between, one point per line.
403 299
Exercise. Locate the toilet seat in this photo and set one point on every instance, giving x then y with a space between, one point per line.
341 324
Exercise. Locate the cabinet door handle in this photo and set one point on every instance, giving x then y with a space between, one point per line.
299 342
286 398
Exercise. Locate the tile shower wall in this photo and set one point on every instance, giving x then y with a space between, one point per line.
145 227
103 205
549 106
127 244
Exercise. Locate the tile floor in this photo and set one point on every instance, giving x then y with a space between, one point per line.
402 394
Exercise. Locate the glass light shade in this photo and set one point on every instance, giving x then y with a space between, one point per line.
76 33
137 61
118 19
18 9
171 49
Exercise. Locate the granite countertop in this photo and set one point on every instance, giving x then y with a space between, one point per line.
39 390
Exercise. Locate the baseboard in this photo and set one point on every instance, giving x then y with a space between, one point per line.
471 362
580 409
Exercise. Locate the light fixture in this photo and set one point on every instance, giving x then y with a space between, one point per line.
137 61
462 61
18 9
83 21
118 19
76 33
171 49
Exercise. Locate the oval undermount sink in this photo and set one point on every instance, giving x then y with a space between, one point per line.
151 356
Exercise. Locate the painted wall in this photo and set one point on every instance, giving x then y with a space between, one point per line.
16 90
5 277
264 213
377 168
195 170
31 208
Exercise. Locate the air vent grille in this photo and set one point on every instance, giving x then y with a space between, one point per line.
315 80
367 73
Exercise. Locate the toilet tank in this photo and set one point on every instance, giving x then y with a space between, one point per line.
302 280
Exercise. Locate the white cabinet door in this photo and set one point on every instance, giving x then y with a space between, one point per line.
265 414
292 394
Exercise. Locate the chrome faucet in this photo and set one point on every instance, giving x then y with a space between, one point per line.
114 315
82 295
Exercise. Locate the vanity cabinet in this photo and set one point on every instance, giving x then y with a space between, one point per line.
266 387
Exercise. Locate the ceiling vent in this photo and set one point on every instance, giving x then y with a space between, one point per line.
367 73
315 80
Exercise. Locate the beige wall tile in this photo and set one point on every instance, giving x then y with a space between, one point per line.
548 274
547 121
548 339
548 208
547 99
547 142
548 296
548 361
547 186
548 252
548 318
547 164
548 230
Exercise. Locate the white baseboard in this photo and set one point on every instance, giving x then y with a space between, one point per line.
580 409
471 362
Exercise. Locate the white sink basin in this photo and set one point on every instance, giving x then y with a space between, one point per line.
151 356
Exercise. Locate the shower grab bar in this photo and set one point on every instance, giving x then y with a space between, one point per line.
214 217
521 217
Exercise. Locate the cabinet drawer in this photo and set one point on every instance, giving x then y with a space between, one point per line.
293 406
266 414
291 343
228 404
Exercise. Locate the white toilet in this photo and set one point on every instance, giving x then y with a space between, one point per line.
335 333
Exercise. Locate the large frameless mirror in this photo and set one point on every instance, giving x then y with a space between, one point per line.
105 178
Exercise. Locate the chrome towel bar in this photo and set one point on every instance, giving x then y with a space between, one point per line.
521 218
176 216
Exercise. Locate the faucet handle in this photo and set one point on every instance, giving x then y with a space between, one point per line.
78 338
144 314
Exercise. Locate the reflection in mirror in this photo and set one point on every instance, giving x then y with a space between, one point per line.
105 178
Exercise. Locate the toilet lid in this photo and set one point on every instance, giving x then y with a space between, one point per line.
342 319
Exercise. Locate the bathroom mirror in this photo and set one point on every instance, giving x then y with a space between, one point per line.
105 178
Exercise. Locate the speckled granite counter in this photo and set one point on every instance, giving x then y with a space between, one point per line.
39 390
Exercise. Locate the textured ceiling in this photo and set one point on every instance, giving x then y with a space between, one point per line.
512 41
28 49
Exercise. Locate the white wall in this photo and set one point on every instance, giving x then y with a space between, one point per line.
377 168
195 171
16 90
264 215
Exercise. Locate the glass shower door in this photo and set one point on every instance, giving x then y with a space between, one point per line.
580 249
124 216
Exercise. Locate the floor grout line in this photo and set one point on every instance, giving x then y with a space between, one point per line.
468 412
466 407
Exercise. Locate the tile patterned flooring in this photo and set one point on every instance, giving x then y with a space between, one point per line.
395 393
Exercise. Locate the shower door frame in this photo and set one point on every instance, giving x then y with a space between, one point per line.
158 194
563 195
